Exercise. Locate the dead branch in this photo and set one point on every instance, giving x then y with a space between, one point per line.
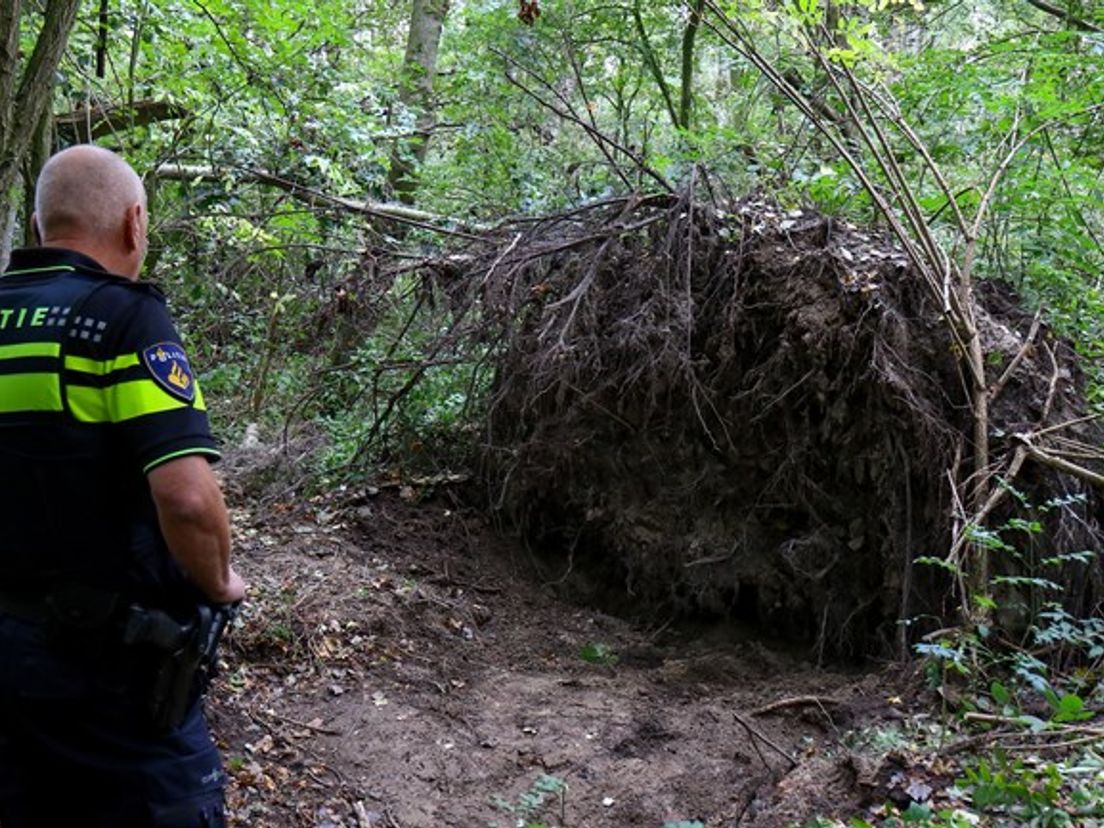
363 819
84 124
1088 418
1066 16
308 195
1048 459
796 701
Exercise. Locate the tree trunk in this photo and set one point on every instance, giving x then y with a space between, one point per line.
689 36
427 20
25 97
41 146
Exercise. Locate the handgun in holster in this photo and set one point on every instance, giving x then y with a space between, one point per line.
178 657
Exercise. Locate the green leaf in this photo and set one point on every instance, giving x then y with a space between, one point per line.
1071 708
598 653
916 814
984 602
942 563
1000 693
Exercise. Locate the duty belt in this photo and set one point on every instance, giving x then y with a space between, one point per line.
69 605
31 610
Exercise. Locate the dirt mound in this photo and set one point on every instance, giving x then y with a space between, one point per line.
756 413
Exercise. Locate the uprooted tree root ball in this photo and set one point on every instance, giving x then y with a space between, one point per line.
758 413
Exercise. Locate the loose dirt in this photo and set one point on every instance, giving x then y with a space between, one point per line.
401 664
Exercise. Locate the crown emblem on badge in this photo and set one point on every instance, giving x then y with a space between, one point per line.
178 377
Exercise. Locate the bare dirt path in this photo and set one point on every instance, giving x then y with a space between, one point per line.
401 665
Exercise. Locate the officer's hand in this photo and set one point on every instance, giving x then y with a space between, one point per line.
234 591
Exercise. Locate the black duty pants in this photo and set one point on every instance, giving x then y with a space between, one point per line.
73 753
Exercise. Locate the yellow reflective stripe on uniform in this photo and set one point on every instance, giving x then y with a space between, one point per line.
188 452
123 401
50 269
88 405
128 400
30 349
29 392
100 367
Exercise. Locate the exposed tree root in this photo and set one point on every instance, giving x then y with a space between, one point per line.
742 410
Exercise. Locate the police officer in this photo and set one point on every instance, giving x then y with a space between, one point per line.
109 515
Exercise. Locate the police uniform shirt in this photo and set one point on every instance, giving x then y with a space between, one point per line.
95 392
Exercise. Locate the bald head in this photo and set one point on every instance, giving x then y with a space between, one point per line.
91 200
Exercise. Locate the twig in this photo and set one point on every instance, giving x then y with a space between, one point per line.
996 497
600 138
712 559
973 742
498 260
272 714
795 701
1066 745
998 386
1065 16
991 718
1047 459
755 734
363 821
1052 389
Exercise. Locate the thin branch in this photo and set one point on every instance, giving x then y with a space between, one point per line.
580 84
755 736
1065 16
568 114
796 701
1002 168
998 386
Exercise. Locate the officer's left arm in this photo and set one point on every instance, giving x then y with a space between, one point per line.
195 524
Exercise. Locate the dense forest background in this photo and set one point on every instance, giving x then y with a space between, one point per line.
268 130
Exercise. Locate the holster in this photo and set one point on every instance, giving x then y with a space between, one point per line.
176 658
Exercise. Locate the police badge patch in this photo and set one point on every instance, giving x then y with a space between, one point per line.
168 364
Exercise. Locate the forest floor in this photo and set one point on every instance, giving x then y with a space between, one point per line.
400 664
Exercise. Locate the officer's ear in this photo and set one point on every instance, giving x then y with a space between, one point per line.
134 227
35 228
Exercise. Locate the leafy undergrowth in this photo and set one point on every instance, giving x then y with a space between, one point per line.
934 777
1017 740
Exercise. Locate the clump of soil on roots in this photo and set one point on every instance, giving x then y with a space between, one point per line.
756 413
